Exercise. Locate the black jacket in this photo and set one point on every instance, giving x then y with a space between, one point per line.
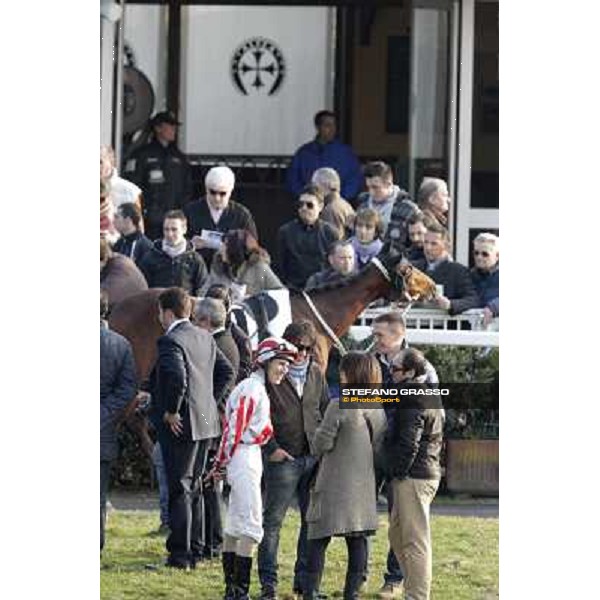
118 386
415 254
295 419
242 341
413 441
326 276
303 250
226 344
235 216
458 287
165 177
487 284
186 270
191 377
135 246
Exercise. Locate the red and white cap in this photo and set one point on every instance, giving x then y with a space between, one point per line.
275 347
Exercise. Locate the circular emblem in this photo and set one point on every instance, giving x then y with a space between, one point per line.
258 67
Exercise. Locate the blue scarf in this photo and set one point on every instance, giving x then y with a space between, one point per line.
297 375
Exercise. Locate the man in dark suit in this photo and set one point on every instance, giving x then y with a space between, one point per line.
223 293
188 368
211 316
458 293
117 388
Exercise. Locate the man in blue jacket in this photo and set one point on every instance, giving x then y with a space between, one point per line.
117 388
486 274
325 151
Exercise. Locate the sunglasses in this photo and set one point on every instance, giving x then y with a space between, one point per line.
309 205
301 347
481 253
217 193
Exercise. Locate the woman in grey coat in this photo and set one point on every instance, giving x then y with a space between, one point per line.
343 502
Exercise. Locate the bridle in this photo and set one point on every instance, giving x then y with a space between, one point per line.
383 270
315 311
334 338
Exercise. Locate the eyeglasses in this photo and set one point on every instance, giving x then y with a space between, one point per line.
309 205
302 347
481 253
217 193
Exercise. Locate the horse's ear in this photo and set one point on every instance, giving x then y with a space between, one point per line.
389 256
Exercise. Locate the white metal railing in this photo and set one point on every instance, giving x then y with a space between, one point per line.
431 326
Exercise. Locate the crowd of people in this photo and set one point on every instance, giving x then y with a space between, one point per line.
243 435
179 237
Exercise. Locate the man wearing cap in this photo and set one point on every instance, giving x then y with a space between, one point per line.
215 214
162 171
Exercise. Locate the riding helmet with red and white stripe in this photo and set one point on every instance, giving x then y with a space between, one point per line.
275 347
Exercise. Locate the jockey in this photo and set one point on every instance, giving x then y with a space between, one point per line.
247 428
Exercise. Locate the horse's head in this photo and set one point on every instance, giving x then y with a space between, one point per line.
406 280
417 285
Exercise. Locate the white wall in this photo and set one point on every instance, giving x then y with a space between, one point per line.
216 117
146 34
107 40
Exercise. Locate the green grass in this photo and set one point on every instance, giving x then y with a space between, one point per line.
465 561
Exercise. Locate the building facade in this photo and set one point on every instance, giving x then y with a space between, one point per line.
414 83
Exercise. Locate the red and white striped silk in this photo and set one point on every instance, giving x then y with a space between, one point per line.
247 417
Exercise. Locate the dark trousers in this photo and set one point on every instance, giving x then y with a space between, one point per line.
104 479
185 462
284 481
357 554
213 507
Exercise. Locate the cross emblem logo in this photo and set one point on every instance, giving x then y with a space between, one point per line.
258 66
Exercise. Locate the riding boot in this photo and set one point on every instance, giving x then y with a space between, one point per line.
228 561
243 570
353 585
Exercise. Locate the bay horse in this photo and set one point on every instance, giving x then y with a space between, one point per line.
119 276
331 306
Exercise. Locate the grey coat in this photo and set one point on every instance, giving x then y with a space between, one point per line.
343 499
255 275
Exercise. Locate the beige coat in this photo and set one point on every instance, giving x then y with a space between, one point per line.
343 498
340 215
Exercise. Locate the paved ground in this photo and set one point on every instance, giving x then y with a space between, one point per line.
487 508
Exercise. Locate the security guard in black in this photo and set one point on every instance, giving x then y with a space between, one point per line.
163 173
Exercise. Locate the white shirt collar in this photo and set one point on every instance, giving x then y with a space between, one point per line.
174 324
